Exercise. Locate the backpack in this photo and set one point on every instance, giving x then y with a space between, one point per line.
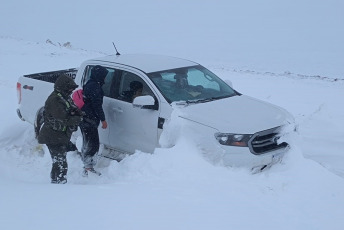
78 98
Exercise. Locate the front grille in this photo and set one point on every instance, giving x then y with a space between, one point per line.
266 141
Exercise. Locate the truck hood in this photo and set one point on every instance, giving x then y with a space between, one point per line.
238 114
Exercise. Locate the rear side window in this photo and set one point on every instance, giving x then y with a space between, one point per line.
108 86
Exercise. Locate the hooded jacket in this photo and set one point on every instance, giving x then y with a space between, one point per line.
93 94
61 116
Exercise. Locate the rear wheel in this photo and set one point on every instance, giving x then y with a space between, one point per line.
39 120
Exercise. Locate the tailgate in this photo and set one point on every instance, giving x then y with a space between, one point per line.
35 89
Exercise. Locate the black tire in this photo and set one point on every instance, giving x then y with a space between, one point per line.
39 120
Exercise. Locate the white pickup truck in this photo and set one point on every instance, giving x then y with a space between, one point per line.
245 131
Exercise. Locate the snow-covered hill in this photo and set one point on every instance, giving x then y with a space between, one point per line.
175 188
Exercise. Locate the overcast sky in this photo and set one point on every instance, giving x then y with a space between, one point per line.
300 36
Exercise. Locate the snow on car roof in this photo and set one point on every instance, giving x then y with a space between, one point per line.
147 63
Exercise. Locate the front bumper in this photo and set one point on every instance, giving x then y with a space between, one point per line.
242 157
264 149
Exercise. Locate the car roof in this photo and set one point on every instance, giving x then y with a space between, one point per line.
147 63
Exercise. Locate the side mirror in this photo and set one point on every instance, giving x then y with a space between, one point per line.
144 102
228 82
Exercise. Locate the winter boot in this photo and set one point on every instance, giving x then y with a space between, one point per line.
59 181
91 170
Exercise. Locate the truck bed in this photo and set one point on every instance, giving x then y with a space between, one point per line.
33 90
53 75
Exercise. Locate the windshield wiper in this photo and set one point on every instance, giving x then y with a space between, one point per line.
188 102
208 99
200 100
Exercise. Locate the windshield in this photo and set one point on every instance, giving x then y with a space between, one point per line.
191 84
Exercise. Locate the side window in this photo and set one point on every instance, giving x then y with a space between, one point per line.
108 86
131 86
109 83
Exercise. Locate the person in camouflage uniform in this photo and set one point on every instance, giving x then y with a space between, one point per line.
61 119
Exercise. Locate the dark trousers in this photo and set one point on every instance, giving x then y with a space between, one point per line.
59 168
90 144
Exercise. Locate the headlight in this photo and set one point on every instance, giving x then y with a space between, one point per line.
240 140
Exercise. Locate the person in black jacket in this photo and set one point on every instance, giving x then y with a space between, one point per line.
61 119
94 114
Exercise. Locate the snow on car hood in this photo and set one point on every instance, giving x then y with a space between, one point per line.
238 114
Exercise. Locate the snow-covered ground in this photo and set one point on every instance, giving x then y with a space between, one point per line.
176 188
290 54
